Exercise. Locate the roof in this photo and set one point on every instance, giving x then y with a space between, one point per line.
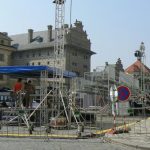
32 71
20 41
136 67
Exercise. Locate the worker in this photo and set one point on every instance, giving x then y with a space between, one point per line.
17 89
29 89
18 85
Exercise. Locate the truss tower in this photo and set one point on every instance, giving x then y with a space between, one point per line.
58 54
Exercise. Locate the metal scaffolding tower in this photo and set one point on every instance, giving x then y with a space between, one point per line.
43 93
140 54
58 54
142 50
141 58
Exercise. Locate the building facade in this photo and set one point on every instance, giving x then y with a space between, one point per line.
142 73
6 51
37 48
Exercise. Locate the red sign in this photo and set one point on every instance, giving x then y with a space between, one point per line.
123 93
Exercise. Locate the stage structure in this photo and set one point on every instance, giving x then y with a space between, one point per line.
58 80
43 73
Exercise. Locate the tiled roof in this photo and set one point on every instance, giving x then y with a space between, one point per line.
136 67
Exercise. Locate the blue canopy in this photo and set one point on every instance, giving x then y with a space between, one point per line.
32 71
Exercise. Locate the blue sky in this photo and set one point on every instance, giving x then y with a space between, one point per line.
115 27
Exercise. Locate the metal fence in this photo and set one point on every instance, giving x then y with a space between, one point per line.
93 122
85 112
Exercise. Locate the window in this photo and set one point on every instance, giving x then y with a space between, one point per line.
33 64
39 63
27 55
20 55
74 53
48 53
2 42
1 57
48 62
39 54
33 55
85 66
78 74
28 64
74 63
86 57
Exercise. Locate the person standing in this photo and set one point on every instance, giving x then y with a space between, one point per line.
17 91
18 85
29 89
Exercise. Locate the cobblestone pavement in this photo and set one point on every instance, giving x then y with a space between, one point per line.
56 144
138 137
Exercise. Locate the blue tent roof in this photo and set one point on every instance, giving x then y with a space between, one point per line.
32 71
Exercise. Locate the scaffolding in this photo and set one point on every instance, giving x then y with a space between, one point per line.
59 62
43 92
86 103
92 90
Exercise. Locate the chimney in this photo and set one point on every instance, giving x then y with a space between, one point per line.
49 34
30 35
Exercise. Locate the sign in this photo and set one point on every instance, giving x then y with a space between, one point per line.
113 93
123 93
